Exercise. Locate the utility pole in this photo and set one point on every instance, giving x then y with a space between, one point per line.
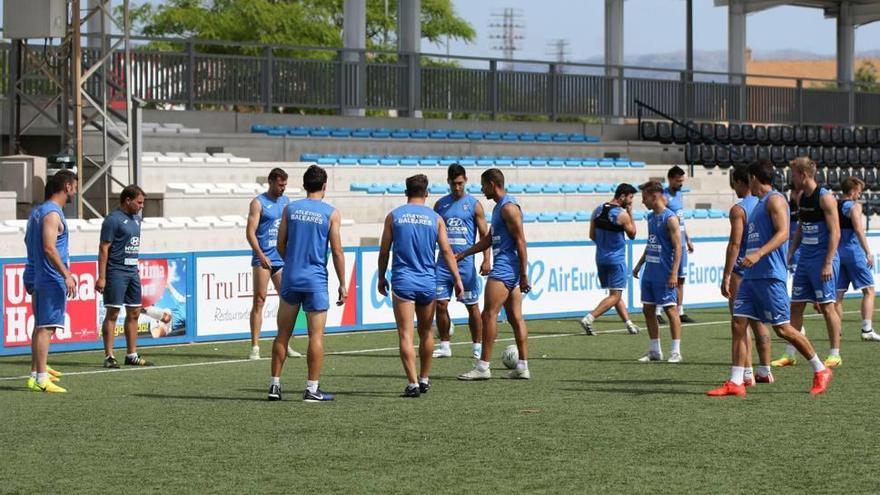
507 29
558 49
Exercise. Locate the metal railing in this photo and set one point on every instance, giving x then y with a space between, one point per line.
202 74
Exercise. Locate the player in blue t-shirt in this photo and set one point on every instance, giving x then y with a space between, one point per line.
674 195
816 238
610 225
464 218
264 218
734 272
309 228
762 295
856 260
48 251
413 232
118 278
508 279
661 258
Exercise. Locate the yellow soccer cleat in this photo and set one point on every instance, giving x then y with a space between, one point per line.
833 361
785 360
53 373
32 385
50 387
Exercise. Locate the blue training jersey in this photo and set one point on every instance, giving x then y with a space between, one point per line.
814 229
849 248
308 238
414 242
267 229
748 205
44 272
610 235
123 232
760 230
659 253
504 252
461 229
675 202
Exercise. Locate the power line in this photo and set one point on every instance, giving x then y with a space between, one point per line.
508 31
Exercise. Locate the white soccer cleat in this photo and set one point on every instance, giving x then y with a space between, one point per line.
632 328
651 356
442 352
255 353
293 354
675 358
475 374
587 326
870 336
516 374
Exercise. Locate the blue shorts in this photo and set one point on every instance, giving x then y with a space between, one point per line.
855 272
764 300
470 280
683 265
808 285
420 297
311 302
658 293
50 305
122 289
613 277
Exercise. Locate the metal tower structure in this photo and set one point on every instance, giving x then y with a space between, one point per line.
558 49
508 31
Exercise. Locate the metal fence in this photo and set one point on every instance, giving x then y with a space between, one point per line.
193 74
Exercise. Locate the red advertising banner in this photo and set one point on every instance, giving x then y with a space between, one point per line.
82 310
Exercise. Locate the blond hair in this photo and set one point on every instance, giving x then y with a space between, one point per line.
804 165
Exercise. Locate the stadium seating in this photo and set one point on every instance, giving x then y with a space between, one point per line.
468 160
421 134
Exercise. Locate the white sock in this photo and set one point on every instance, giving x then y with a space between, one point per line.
628 323
477 346
835 351
34 375
275 380
257 348
482 365
763 370
424 379
522 365
444 344
589 318
42 377
413 385
749 372
790 350
866 325
132 356
680 310
676 346
659 311
312 385
655 346
736 375
816 363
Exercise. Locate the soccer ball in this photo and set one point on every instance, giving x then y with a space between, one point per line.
510 356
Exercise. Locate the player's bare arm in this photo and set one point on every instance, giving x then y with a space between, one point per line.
737 227
446 252
672 226
638 267
52 228
832 221
103 256
281 243
483 244
250 231
855 214
483 229
795 243
384 255
512 216
338 255
625 219
778 210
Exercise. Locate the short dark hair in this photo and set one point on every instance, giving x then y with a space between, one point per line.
417 186
277 173
624 189
455 171
494 176
58 182
314 178
675 171
762 171
131 191
740 173
850 183
652 186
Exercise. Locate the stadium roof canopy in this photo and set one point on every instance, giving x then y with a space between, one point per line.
862 11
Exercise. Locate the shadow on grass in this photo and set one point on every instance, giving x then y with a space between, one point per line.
658 381
635 392
202 397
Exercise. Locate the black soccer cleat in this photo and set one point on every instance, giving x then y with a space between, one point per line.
138 361
411 392
424 387
687 319
661 320
318 396
110 362
274 392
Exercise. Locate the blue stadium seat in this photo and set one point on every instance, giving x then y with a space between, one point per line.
515 188
474 188
429 162
573 162
368 161
527 136
397 188
380 133
260 129
539 162
530 218
700 214
582 216
298 131
277 132
492 136
577 138
420 134
604 188
544 137
551 188
438 189
561 137
377 189
622 163
590 162
319 132
361 133
568 188
439 134
510 136
637 164
687 214
409 162
400 134
389 162
715 213
566 216
504 162
556 162
475 135
606 163
347 161
533 188
467 162
326 161
359 187
586 188
342 132
547 217
593 139
522 162
309 157
456 135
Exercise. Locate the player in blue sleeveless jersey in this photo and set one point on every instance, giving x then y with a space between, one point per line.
610 225
763 295
508 279
674 195
856 259
413 232
733 274
49 254
264 217
118 278
661 258
464 217
817 238
309 228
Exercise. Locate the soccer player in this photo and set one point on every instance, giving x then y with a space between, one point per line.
611 223
263 220
48 253
414 231
661 258
508 279
464 217
856 260
308 227
733 274
118 277
817 238
762 295
675 202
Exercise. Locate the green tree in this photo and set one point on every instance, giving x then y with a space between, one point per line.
866 77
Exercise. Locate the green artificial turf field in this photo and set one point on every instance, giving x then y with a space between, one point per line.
592 419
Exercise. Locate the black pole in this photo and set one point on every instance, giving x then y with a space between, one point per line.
689 56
